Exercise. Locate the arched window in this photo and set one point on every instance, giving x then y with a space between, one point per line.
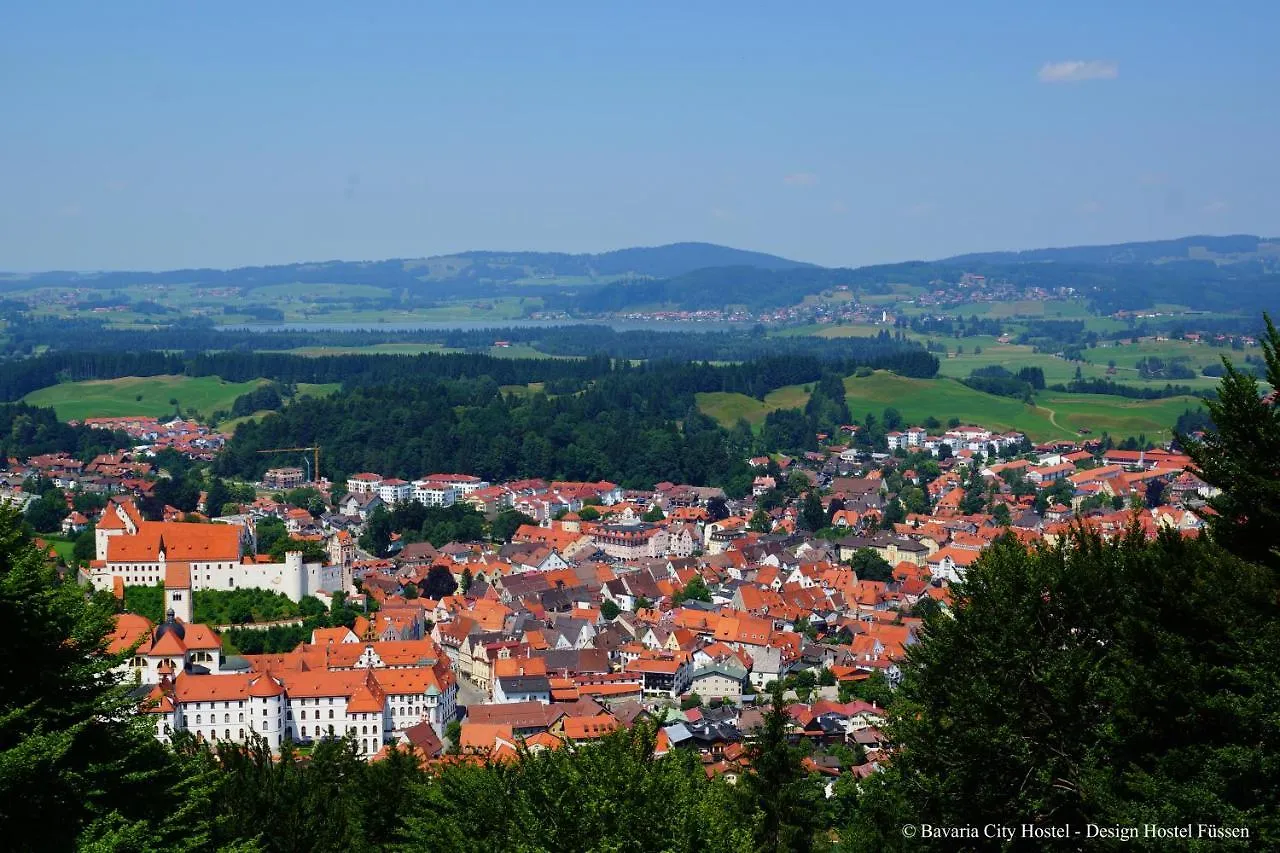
197 719
227 733
242 734
226 718
241 720
304 731
364 730
331 713
304 715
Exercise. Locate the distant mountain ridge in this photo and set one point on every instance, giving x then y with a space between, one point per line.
475 266
1232 248
1231 273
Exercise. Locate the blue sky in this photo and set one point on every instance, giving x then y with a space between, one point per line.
155 135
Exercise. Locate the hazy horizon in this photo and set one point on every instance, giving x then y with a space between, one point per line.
156 137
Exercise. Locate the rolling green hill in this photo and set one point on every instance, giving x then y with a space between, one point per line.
1055 415
139 395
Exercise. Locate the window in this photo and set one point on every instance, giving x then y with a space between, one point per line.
242 734
197 719
241 720
304 731
304 715
364 730
227 734
331 713
226 718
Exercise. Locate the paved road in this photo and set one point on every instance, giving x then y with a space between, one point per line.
469 694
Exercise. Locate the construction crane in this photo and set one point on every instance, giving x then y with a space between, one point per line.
314 450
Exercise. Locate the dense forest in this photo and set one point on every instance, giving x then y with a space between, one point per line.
634 426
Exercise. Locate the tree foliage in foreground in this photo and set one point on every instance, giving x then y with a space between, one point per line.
1115 683
1241 456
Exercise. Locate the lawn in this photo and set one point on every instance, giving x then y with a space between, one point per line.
139 395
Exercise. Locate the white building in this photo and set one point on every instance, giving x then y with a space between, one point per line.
363 484
435 493
372 703
394 491
133 552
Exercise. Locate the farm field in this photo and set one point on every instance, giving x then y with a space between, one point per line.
139 395
1056 415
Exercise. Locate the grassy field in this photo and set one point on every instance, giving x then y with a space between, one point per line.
1054 416
728 408
62 547
139 395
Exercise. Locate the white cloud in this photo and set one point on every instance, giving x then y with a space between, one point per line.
1215 207
800 179
1077 70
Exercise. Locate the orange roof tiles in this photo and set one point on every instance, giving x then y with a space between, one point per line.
179 540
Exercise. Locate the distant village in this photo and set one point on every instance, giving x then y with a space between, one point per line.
607 605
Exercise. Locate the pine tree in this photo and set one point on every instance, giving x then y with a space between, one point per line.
779 786
1092 682
1241 457
73 754
811 512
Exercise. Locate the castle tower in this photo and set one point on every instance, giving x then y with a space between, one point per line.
177 591
267 709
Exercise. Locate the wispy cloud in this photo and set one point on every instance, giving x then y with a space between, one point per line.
800 179
1079 70
1215 207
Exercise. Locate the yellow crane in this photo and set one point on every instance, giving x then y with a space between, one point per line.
314 450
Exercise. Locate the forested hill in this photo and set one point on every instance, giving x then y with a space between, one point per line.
656 261
441 273
1234 248
631 425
